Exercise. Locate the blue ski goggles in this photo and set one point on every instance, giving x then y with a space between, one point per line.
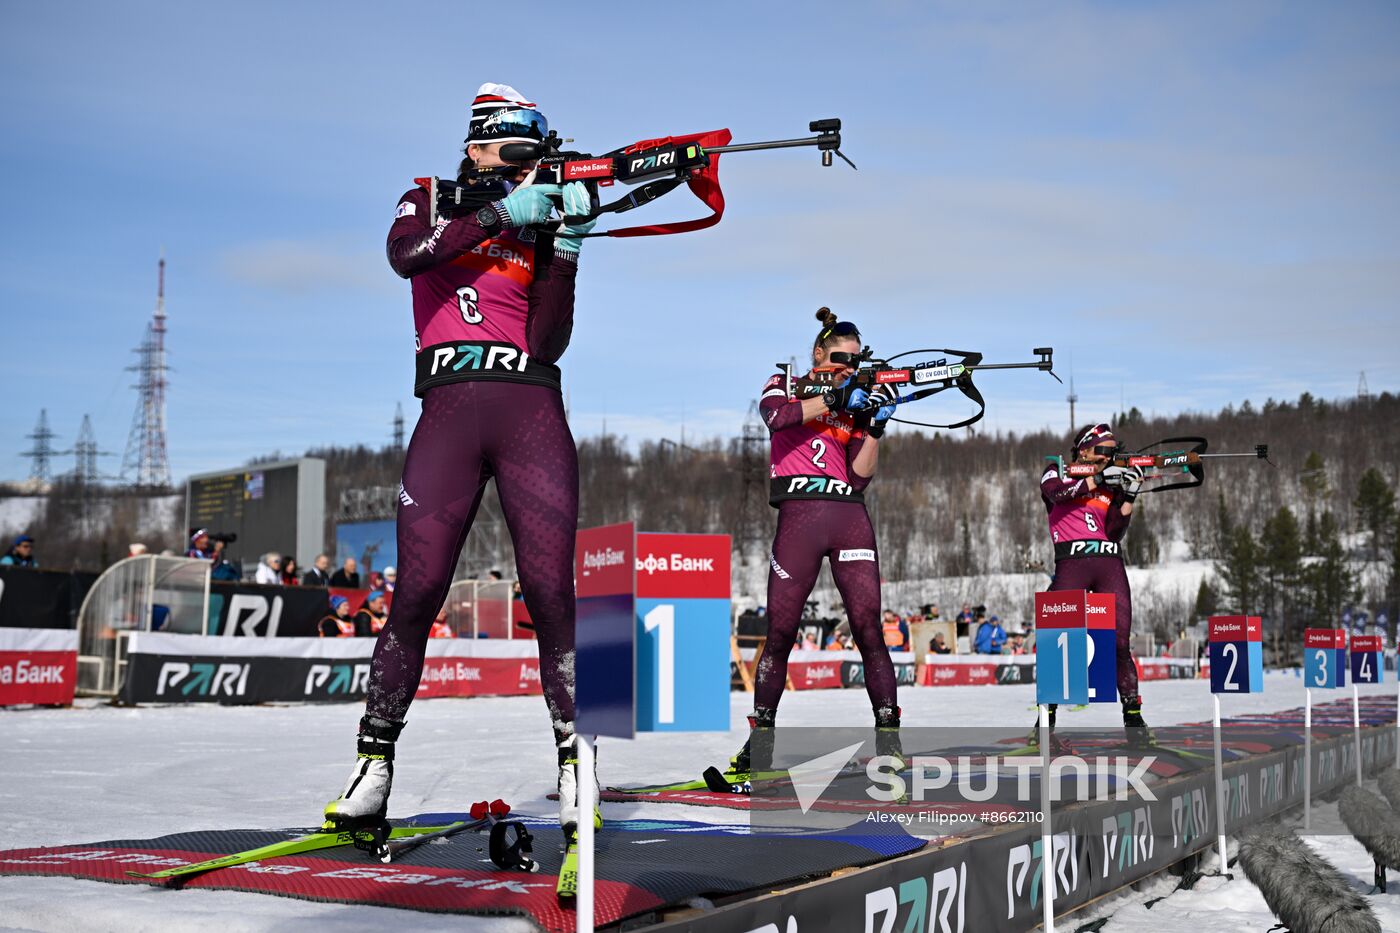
839 329
510 126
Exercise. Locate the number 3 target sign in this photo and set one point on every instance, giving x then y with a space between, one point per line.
1325 657
1236 654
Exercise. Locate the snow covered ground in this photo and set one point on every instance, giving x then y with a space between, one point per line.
97 772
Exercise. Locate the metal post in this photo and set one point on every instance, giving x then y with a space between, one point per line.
1307 762
584 902
1219 790
1397 709
1356 726
1047 835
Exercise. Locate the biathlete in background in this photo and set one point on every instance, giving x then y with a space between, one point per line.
1097 509
824 451
493 309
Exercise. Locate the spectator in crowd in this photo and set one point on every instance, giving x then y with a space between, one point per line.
320 572
376 580
372 614
270 570
1017 643
21 553
224 569
338 623
347 577
809 642
440 627
135 549
966 617
895 630
990 637
199 545
937 646
289 571
930 611
391 579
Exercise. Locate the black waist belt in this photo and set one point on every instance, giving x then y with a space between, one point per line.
784 488
491 360
1065 550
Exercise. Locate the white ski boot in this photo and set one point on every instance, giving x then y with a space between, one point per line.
568 785
363 805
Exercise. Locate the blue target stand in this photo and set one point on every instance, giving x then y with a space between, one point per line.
1101 617
1324 668
1061 678
652 650
1236 653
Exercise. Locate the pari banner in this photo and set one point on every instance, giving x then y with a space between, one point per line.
38 666
653 631
170 668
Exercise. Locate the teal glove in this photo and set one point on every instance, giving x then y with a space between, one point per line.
576 201
528 205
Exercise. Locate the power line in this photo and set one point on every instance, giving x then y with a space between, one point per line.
42 453
147 462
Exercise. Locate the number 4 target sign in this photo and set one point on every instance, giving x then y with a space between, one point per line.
1367 666
1236 654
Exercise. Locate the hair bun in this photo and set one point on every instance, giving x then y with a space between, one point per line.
826 316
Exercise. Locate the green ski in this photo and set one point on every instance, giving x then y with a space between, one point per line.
308 843
566 888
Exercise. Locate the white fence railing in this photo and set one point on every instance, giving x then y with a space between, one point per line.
477 608
136 594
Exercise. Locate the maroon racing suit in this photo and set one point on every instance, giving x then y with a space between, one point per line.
492 315
821 514
1087 526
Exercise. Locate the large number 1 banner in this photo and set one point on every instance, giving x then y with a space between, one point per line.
653 631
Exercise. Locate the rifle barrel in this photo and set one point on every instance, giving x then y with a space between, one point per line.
1043 364
775 144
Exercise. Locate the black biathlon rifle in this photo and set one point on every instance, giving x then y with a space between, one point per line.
655 166
925 377
1188 462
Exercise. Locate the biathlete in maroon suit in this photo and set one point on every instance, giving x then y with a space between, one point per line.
493 312
824 453
1088 518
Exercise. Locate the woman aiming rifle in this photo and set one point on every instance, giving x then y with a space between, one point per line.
493 311
1097 509
824 453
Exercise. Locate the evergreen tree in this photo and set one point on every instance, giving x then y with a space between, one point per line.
1375 506
1224 527
1207 600
1331 583
1240 573
1281 548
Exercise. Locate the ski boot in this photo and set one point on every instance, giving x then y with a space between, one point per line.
758 747
1138 733
568 785
887 741
1058 746
362 808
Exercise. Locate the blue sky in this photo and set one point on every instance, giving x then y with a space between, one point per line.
1199 202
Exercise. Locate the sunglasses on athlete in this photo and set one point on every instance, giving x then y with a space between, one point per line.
838 358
